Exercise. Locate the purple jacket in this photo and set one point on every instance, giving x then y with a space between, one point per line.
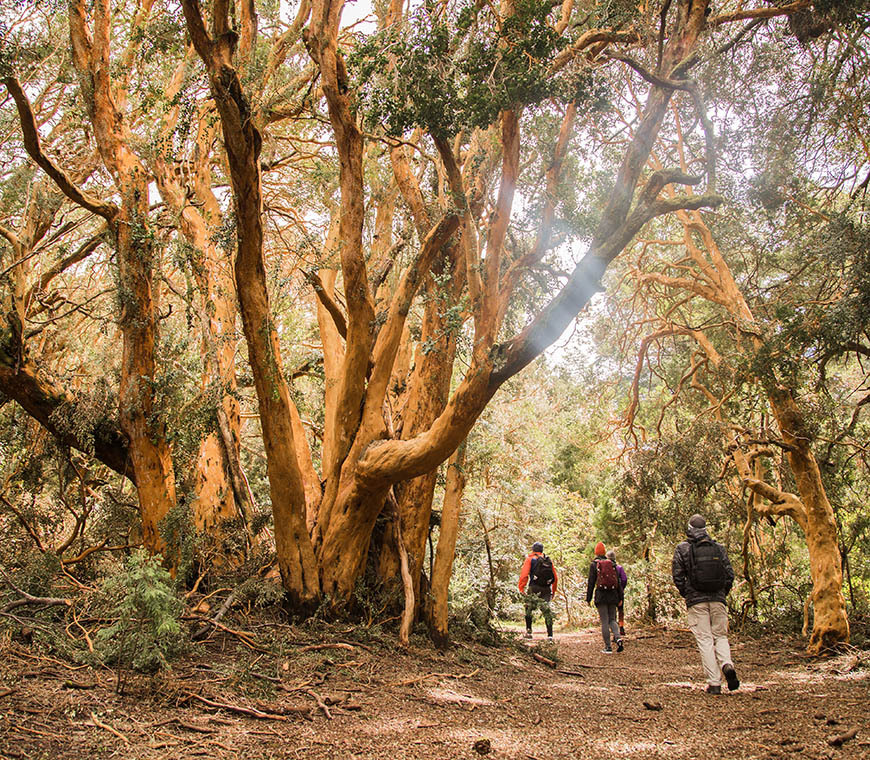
623 578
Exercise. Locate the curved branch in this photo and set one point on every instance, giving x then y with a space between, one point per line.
328 303
760 13
34 149
780 502
47 403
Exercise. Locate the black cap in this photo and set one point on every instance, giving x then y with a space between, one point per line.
697 521
537 546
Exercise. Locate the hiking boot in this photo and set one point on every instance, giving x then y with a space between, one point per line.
607 651
551 637
731 677
714 688
527 635
619 645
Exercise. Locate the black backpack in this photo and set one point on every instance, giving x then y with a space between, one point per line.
707 566
541 571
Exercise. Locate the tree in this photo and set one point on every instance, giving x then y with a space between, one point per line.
433 285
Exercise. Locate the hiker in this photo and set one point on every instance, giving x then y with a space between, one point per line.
703 576
604 582
623 582
540 573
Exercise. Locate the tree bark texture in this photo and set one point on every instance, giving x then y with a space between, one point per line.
445 550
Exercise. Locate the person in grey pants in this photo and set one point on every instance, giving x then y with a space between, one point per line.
603 584
703 575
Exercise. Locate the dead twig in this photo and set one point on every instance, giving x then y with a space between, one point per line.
418 679
839 739
106 727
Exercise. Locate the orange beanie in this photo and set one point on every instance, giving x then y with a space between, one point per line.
599 549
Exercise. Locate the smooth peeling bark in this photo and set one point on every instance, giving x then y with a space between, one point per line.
830 623
445 551
149 449
428 392
345 545
286 486
213 504
360 307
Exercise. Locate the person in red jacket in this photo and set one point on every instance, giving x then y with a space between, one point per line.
539 573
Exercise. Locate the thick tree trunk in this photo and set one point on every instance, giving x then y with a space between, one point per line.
145 430
830 623
446 548
242 142
427 397
149 451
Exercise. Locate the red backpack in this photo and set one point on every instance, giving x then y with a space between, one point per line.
607 575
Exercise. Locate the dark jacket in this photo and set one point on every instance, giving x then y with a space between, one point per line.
680 571
602 595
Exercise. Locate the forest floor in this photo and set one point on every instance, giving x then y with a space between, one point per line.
284 692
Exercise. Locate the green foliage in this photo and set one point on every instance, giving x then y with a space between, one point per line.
147 634
448 72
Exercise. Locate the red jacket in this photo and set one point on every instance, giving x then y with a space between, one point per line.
527 567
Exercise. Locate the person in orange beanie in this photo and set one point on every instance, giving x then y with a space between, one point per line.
603 582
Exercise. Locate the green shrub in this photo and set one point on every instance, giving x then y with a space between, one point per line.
147 634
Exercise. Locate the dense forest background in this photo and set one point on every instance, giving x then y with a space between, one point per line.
338 319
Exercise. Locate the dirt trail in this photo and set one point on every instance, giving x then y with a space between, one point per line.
374 700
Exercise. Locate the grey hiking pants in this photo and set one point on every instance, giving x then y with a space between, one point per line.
609 622
709 622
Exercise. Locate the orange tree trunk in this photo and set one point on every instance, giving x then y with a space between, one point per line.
242 143
830 624
146 431
427 398
137 276
446 549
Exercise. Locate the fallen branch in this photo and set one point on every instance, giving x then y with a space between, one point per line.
203 630
315 647
246 638
839 739
236 708
320 703
570 672
6 692
544 660
48 601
